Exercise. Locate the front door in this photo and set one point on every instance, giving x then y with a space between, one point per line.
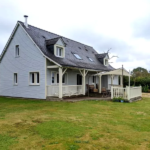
79 79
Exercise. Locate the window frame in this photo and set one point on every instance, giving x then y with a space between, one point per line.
91 59
17 51
106 64
56 78
77 56
59 50
62 51
15 78
36 75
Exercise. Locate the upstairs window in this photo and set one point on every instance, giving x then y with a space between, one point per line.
17 51
59 52
106 62
15 79
77 56
90 59
34 78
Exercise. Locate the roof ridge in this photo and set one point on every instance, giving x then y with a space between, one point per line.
57 34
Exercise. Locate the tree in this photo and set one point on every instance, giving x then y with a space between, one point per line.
139 72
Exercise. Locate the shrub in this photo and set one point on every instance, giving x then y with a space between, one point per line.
145 88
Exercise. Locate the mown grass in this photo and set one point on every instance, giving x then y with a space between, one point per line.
33 124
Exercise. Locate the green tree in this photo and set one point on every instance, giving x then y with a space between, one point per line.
139 72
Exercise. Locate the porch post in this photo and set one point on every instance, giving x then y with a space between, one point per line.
121 80
100 84
60 82
83 81
129 88
111 80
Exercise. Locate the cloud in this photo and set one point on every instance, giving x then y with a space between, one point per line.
141 27
120 25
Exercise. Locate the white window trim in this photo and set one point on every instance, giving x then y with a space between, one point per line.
15 84
55 50
107 61
35 78
55 80
16 51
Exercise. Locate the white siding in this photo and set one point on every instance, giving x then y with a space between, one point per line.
30 60
59 42
115 80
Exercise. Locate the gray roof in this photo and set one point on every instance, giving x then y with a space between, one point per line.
53 41
40 36
100 56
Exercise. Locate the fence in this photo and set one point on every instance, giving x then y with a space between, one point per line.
126 93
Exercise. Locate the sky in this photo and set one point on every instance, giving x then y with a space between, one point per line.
123 26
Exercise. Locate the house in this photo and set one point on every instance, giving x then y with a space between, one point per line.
36 63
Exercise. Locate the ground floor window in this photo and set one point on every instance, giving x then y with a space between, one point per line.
15 78
79 79
55 78
94 79
34 78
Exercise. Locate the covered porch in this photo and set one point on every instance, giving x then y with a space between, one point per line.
68 81
128 93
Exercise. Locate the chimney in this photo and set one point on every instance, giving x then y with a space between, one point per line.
26 23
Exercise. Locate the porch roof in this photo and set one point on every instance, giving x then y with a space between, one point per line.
115 72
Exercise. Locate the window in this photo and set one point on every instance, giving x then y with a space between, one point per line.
59 52
77 56
106 62
79 79
55 78
94 79
15 79
17 51
34 78
90 59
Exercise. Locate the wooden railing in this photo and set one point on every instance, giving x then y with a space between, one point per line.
67 90
135 92
126 93
119 92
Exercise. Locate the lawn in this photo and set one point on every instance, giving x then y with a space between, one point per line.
85 125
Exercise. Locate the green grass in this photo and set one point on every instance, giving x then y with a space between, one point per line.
33 124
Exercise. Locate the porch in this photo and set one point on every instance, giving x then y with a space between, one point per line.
73 82
69 81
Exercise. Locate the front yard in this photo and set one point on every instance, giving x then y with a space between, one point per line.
31 124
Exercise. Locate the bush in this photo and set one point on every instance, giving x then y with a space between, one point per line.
145 88
117 99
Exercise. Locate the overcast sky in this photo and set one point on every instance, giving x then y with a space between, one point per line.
122 25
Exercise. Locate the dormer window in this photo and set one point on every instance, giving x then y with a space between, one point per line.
77 56
59 52
106 62
56 46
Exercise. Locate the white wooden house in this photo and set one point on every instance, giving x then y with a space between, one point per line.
36 63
